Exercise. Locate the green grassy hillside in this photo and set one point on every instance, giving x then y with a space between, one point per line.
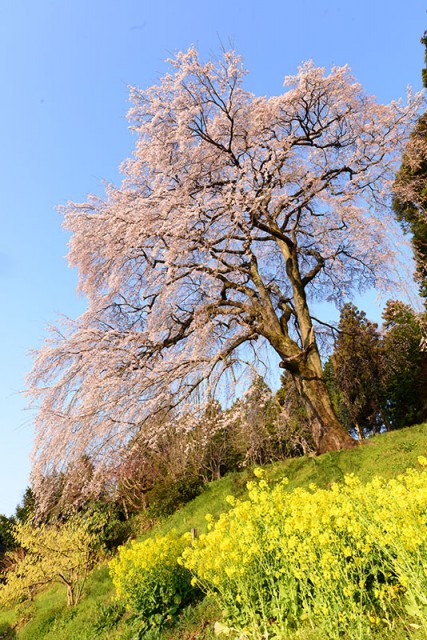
99 616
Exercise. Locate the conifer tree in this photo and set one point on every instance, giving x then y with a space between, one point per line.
410 192
355 373
405 365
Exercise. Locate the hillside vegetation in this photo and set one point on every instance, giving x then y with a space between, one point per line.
100 615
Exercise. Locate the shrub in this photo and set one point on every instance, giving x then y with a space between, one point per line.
61 553
108 616
107 524
344 560
169 494
149 580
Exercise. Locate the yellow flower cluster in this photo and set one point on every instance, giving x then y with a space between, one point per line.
148 578
347 558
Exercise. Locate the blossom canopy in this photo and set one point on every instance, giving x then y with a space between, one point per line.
235 213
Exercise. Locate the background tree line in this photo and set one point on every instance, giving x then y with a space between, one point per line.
378 380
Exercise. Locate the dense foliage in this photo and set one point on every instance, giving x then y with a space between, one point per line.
378 379
344 560
62 552
150 581
410 192
405 356
355 373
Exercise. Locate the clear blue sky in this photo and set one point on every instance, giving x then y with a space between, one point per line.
65 67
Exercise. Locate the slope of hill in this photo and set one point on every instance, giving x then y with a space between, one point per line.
100 616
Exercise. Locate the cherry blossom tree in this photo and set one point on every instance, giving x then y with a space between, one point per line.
235 214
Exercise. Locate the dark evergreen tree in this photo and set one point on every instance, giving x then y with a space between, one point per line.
355 374
410 192
27 507
7 541
406 365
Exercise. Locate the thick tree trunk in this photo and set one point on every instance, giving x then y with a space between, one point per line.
307 373
302 360
328 433
306 370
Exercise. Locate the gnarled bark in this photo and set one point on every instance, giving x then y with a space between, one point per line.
328 433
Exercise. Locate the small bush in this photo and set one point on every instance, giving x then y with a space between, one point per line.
108 616
170 494
108 524
149 580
